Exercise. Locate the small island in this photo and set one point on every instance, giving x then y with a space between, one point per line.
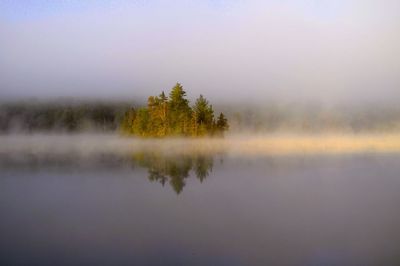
173 116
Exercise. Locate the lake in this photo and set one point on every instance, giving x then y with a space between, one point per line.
215 208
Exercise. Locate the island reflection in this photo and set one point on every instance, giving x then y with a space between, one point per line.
174 169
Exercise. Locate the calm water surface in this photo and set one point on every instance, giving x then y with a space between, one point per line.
148 209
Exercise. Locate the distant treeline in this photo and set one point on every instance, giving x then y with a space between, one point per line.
60 116
68 116
313 118
173 116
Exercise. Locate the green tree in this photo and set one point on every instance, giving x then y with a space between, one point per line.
140 125
203 117
127 121
164 114
179 111
155 122
222 124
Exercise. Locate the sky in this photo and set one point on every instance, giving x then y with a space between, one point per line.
288 50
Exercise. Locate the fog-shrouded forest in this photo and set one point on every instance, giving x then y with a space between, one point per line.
73 116
60 116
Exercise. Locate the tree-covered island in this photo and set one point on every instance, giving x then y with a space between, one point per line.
173 116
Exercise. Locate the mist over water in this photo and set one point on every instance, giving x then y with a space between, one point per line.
307 174
153 206
87 145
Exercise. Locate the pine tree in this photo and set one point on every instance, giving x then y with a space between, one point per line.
179 111
141 123
204 117
155 120
164 114
222 124
127 121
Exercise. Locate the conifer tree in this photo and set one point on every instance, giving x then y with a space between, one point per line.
179 111
127 121
204 117
141 123
155 120
164 114
172 115
222 124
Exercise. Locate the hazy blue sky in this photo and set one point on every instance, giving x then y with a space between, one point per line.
281 50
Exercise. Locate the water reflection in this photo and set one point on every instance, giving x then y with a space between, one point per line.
161 167
174 169
103 208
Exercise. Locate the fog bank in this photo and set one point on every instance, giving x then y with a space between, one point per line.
325 51
89 145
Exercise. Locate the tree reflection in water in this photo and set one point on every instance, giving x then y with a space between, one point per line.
174 169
